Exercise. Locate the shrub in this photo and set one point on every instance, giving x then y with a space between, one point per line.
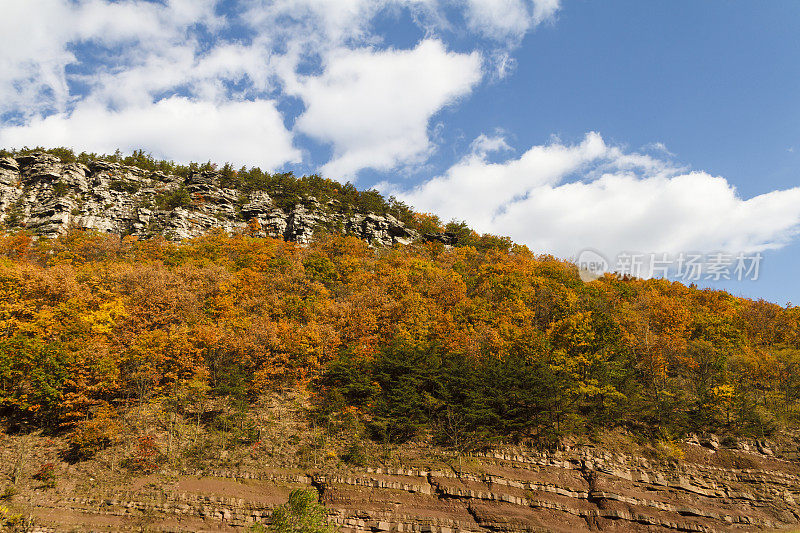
301 514
170 200
11 521
47 475
32 372
60 188
146 458
124 186
354 455
95 434
14 215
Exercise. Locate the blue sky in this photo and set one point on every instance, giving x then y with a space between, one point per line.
622 126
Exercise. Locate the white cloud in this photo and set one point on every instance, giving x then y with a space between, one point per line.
36 35
499 19
480 188
33 55
508 20
174 128
562 198
505 22
65 60
486 144
374 106
148 53
332 21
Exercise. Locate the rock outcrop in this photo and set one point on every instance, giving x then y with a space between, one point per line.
583 488
447 238
46 196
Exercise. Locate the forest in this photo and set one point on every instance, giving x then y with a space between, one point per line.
464 347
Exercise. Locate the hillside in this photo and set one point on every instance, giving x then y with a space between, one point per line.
329 337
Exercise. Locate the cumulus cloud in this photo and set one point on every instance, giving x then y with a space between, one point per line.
562 198
173 128
38 39
65 60
486 144
374 106
147 82
324 21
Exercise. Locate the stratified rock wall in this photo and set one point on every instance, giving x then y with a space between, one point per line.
582 489
46 196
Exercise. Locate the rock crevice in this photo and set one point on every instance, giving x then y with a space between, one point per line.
40 193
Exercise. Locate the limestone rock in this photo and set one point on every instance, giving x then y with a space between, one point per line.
710 441
39 192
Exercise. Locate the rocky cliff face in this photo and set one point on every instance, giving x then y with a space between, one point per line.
46 196
578 489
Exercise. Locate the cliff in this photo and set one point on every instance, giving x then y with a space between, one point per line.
42 194
420 489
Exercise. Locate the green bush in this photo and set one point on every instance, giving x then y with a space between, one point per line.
60 188
170 200
32 373
14 215
354 455
124 186
301 514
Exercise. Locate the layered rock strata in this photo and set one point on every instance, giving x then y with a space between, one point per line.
46 196
582 489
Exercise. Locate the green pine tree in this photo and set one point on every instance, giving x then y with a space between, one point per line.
301 514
